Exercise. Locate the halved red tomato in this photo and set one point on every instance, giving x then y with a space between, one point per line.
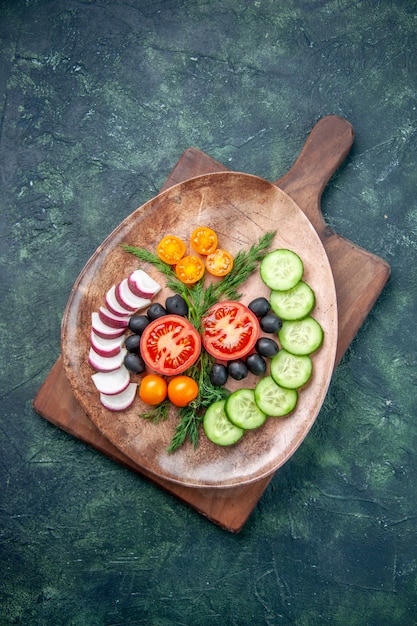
170 344
230 330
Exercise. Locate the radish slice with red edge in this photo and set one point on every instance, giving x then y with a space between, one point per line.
143 285
126 298
106 347
104 363
104 330
114 305
112 382
119 401
115 321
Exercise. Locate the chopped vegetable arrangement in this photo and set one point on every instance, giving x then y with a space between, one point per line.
182 352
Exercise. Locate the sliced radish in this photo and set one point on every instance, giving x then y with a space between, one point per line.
106 347
143 285
115 321
104 363
114 305
104 330
112 382
119 401
126 298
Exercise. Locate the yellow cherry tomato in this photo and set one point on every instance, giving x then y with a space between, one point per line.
182 390
203 240
190 269
153 389
219 262
170 249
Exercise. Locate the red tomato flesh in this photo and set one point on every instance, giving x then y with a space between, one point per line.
169 345
230 330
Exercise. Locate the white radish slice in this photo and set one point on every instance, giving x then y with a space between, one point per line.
114 305
106 347
104 363
143 285
109 318
119 401
104 330
127 298
112 382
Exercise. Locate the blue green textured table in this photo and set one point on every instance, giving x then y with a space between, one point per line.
98 101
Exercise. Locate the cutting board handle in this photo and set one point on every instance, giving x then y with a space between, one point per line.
325 149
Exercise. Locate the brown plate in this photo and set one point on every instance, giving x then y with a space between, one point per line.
240 207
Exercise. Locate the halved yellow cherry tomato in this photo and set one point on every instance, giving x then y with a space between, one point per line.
203 240
153 389
182 390
170 249
190 269
219 262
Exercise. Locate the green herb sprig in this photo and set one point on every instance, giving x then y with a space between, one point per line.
192 415
199 299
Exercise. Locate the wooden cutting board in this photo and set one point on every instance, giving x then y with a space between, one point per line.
359 279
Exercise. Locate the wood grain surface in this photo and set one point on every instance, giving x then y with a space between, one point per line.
359 278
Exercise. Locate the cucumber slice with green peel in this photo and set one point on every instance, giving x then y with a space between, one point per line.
293 304
302 336
218 428
290 370
242 410
274 400
281 269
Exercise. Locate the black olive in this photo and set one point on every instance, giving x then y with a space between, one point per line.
256 364
156 310
134 363
237 369
259 306
270 323
218 375
132 343
176 304
138 323
266 347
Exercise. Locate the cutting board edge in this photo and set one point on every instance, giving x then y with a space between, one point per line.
214 166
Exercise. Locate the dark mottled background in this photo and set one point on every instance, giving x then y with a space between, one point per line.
98 101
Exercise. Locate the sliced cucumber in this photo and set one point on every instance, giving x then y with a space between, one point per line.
273 399
281 269
289 370
242 410
218 428
293 304
302 336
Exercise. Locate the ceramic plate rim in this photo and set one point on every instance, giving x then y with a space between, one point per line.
75 297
